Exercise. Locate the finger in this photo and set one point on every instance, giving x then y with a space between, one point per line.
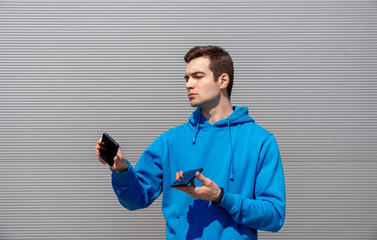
99 141
99 148
101 144
181 188
98 152
186 189
102 161
179 175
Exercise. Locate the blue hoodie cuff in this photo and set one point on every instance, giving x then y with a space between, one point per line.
122 177
230 202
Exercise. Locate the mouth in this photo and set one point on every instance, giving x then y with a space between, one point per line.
191 95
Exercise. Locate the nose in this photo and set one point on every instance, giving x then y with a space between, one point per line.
189 83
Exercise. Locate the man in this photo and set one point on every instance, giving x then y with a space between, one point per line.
241 188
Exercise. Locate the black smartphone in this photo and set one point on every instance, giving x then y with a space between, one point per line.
111 149
187 178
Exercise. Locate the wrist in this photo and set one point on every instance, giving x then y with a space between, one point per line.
219 198
124 167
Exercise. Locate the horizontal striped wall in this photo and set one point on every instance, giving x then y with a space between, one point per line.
70 70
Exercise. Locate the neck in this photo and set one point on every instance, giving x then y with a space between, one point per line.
218 112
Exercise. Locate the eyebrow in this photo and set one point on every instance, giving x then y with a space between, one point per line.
194 73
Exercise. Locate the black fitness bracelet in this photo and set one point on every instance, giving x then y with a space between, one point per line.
218 200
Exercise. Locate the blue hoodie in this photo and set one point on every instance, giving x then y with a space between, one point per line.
236 153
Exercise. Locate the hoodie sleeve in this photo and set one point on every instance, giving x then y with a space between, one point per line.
267 210
138 187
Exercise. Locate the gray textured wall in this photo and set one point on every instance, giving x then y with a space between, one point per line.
70 70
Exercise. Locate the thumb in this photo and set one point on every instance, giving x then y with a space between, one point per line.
201 178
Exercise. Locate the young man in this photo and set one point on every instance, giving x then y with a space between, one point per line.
241 189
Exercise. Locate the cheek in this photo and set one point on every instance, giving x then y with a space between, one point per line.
212 89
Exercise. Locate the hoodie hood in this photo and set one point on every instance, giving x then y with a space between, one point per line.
240 115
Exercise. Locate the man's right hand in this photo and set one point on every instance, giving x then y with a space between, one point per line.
120 162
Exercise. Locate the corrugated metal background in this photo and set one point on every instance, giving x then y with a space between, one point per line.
71 70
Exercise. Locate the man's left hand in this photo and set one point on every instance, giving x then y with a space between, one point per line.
209 191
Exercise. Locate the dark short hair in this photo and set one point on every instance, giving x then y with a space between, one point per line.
220 61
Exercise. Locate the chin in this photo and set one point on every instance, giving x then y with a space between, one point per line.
194 104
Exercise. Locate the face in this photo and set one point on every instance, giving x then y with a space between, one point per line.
203 90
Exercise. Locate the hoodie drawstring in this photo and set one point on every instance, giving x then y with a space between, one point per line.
196 134
231 153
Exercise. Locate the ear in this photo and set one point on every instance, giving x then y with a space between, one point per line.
224 81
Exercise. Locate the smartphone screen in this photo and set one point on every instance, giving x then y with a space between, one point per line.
187 178
111 149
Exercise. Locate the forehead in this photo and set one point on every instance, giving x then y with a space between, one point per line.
200 64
